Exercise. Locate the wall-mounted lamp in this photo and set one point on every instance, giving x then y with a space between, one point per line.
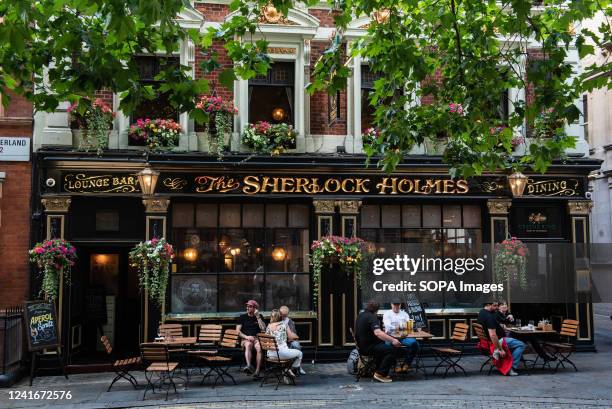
517 182
279 253
147 179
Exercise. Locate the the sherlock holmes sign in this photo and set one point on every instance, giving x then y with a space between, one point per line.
261 184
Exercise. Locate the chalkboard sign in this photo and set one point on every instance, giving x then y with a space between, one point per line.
41 325
415 309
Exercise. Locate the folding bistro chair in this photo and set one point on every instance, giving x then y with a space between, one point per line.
209 336
274 366
122 367
450 356
366 365
217 364
563 350
156 357
480 333
171 330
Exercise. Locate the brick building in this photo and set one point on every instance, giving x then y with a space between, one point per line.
242 224
15 192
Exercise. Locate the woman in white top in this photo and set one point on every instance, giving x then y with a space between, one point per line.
282 333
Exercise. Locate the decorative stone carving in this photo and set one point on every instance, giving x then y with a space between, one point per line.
270 15
499 206
56 204
579 208
324 206
156 205
281 50
349 206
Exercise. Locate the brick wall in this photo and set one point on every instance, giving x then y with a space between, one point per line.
15 213
319 103
106 96
326 17
19 107
212 12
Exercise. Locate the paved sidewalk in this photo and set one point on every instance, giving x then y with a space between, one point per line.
328 385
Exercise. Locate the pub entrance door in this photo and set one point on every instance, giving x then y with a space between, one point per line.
104 300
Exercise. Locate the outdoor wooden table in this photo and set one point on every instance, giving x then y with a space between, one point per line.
179 341
419 335
179 344
532 337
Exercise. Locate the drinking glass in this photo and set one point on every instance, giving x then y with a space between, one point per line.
518 322
531 324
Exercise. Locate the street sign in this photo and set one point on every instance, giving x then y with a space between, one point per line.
14 149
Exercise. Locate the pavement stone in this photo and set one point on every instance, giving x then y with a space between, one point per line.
329 386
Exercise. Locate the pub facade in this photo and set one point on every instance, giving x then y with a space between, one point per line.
242 225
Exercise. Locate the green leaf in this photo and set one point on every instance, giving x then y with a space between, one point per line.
227 78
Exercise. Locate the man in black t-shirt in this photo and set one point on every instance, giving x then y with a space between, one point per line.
248 326
487 318
371 341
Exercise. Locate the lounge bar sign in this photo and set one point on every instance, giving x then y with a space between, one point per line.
304 184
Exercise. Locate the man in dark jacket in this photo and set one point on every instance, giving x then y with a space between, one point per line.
370 339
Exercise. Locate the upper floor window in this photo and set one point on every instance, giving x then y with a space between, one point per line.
368 77
271 96
159 107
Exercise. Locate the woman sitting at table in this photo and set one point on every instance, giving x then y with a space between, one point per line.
282 333
392 321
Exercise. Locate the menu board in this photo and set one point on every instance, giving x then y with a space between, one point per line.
41 325
415 309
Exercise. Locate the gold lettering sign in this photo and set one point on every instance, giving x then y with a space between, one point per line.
254 184
82 183
553 187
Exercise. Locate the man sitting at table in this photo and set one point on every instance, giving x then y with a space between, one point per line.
487 318
249 325
371 341
392 321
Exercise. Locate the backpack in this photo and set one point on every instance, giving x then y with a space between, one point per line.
352 362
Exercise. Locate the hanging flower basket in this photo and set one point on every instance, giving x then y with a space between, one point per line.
90 123
53 257
218 127
152 258
330 250
510 263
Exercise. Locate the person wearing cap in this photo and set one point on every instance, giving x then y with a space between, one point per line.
392 321
249 325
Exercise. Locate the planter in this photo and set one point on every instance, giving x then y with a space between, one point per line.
435 147
205 144
82 140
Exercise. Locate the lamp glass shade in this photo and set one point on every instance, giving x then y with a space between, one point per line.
517 182
147 179
279 253
278 114
190 254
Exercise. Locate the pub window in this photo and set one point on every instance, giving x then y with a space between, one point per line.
271 96
150 67
233 252
368 77
446 230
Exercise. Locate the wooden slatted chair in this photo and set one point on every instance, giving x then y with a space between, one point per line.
157 360
563 350
218 364
274 366
451 355
171 330
482 336
122 367
366 365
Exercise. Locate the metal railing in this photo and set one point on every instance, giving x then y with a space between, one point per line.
11 344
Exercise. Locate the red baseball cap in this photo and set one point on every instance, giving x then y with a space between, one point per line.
252 303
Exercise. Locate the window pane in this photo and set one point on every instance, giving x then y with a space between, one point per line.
182 215
299 216
411 216
370 216
206 215
276 215
291 290
431 216
236 289
471 216
194 293
229 215
452 215
241 250
391 216
253 215
287 250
